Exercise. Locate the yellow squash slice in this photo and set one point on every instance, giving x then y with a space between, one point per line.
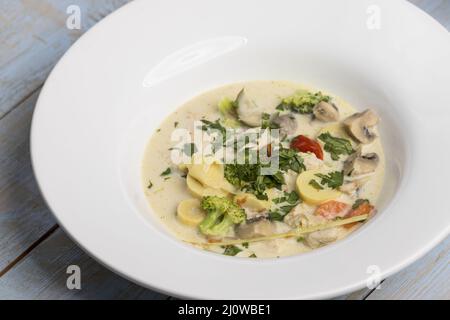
190 213
208 174
310 194
199 190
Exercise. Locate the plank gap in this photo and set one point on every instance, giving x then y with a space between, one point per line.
28 250
39 87
371 291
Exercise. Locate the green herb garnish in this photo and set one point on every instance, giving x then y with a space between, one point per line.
252 256
247 177
290 159
276 216
166 172
336 146
150 184
245 245
315 185
231 250
289 201
334 179
211 126
292 197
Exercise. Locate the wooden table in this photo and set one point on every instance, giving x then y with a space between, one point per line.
34 251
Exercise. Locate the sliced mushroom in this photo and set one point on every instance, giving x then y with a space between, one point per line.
358 164
287 124
322 237
326 112
259 228
360 125
247 110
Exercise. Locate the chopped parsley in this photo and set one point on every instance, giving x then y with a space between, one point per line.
289 197
231 250
334 179
262 183
166 172
286 203
245 245
290 159
247 176
150 184
315 185
276 216
214 126
336 146
175 124
252 256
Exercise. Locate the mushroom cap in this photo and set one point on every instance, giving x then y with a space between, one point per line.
248 111
359 126
326 111
357 165
286 122
255 229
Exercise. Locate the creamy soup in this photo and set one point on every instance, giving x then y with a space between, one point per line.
264 169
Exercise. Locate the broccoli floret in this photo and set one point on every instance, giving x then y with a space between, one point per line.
228 109
303 101
222 215
236 213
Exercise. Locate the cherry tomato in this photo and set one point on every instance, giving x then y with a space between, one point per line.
304 144
332 209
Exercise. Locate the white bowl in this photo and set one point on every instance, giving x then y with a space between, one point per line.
118 82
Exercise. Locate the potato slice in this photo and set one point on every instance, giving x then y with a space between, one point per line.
250 201
190 213
198 190
310 194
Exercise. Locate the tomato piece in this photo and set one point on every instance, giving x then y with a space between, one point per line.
302 143
364 208
332 209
